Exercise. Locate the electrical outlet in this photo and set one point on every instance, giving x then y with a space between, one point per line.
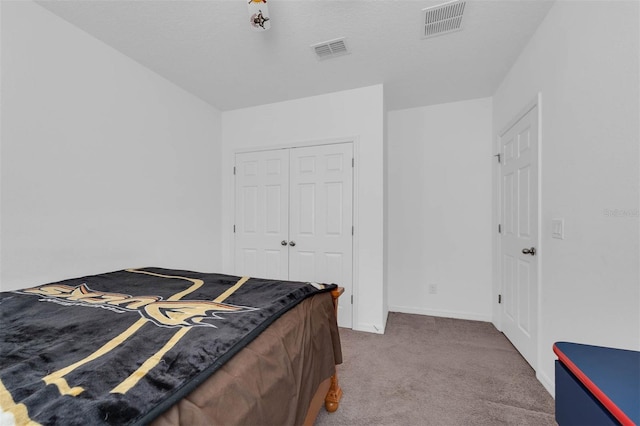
433 288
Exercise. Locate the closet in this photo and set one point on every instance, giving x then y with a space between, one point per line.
294 216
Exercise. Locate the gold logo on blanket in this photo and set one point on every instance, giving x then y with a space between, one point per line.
165 313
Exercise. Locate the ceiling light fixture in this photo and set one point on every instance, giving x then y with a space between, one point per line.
259 15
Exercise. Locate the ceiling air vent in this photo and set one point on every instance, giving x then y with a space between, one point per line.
443 19
330 49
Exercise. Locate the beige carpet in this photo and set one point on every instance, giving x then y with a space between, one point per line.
436 371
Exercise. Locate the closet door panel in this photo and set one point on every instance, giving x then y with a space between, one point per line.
321 219
262 214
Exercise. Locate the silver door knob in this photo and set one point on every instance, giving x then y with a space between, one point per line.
283 243
292 243
531 251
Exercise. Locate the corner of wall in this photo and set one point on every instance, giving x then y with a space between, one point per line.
385 203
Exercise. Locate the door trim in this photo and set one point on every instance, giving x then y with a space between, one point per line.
355 142
497 219
300 144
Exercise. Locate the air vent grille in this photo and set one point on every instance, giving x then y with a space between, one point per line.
443 19
331 48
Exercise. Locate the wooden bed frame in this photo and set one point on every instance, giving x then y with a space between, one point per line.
332 400
329 390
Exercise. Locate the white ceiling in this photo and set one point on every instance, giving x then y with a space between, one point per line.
208 48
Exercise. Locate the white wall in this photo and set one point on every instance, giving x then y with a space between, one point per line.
105 165
349 115
440 164
584 61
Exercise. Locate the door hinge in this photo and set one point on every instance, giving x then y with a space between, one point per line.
234 229
499 298
499 229
352 299
353 232
353 162
234 170
498 155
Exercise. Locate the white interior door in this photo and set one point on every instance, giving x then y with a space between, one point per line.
519 236
321 220
262 214
294 217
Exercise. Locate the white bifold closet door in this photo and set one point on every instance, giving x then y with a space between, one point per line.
294 217
262 214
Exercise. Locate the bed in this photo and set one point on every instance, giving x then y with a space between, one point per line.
168 347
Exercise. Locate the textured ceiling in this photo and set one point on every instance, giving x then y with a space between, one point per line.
208 48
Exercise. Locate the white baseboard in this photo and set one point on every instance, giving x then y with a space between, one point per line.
369 328
548 384
441 313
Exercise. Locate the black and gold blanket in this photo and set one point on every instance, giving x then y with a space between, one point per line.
122 347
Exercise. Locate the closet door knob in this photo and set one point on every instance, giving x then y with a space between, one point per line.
292 243
283 243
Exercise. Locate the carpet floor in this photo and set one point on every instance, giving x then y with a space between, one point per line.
436 371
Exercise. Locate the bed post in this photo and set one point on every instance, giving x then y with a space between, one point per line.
332 400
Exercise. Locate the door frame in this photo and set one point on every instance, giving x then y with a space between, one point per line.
355 142
497 219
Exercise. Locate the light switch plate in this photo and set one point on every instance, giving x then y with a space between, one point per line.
557 228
